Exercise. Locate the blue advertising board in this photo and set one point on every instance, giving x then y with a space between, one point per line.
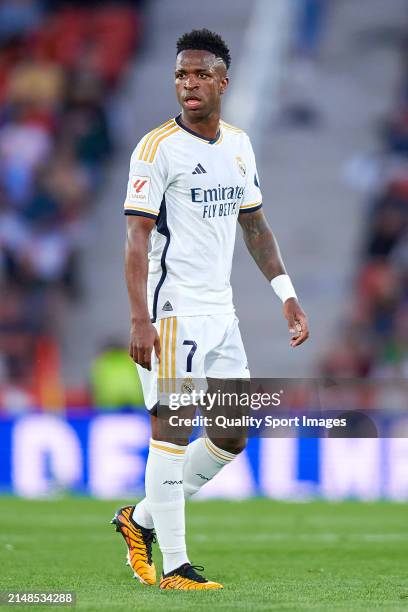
104 455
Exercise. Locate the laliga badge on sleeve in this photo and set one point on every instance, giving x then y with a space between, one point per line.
139 188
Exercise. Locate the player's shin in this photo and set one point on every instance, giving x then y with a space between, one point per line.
165 500
142 515
202 462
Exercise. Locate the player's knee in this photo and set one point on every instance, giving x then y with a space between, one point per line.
232 445
180 441
161 433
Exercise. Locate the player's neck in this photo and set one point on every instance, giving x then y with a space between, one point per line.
208 127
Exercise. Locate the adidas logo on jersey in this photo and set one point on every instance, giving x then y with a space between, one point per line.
167 306
199 170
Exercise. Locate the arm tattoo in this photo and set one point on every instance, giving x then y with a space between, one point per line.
261 243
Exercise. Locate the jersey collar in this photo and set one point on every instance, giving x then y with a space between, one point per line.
215 140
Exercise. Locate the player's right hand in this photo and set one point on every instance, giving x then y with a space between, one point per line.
143 338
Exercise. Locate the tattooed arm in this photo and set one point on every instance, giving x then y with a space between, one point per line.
262 245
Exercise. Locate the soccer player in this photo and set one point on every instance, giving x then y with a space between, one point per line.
190 180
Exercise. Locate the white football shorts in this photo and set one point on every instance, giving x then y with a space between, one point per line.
193 349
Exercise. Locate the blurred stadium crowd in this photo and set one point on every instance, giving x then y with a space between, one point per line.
374 338
59 64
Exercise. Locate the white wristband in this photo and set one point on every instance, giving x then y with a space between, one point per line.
282 286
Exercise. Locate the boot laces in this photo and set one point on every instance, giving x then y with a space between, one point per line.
149 538
189 571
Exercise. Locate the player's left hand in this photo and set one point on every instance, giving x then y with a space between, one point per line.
297 322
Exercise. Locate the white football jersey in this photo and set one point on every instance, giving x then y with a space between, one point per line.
194 188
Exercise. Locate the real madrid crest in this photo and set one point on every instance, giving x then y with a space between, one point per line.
241 166
187 385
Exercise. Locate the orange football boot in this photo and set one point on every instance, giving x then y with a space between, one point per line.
139 541
185 578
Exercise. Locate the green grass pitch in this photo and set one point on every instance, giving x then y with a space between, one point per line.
269 555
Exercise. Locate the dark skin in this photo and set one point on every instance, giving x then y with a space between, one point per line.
262 245
200 80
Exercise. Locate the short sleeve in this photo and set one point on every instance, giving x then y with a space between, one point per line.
252 198
146 185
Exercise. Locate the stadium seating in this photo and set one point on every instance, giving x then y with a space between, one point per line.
375 339
57 69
